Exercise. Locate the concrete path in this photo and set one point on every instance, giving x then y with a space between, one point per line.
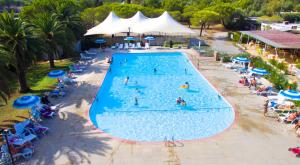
221 44
252 139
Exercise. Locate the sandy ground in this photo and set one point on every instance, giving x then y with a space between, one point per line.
252 139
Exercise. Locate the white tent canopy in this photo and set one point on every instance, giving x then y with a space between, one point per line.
108 26
140 24
126 25
162 24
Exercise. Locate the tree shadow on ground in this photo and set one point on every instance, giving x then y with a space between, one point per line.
87 93
69 141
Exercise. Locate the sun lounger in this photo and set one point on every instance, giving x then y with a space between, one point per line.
23 132
75 70
126 47
25 152
88 53
56 93
84 58
138 45
133 46
147 45
34 127
121 46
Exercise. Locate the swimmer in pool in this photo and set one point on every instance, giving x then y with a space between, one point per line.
178 100
183 103
187 85
126 80
136 101
185 70
154 70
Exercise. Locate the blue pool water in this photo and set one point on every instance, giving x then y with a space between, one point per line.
157 116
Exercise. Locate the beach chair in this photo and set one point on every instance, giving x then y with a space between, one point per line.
35 127
126 47
75 70
121 46
23 132
69 81
267 92
138 45
147 45
89 53
56 93
133 46
84 58
45 112
25 152
113 47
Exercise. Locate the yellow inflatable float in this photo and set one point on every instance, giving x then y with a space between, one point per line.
184 86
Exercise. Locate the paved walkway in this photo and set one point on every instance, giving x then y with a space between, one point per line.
253 139
221 44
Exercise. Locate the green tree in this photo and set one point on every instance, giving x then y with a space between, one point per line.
225 11
173 5
4 88
52 31
152 3
16 44
204 17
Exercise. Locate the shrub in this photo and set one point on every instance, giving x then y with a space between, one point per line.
279 81
245 54
273 62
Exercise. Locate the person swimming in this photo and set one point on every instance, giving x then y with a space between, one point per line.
187 85
185 70
136 101
178 100
154 70
183 103
125 60
126 80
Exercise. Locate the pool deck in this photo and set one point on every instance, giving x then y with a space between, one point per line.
252 139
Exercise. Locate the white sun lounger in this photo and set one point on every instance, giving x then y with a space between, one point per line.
121 46
147 45
126 46
138 45
133 46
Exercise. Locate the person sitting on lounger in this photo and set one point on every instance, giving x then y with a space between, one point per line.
44 99
252 83
291 117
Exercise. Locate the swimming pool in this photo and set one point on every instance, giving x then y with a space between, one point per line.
157 116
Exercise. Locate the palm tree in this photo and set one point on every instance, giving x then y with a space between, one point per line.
68 13
4 88
15 44
52 31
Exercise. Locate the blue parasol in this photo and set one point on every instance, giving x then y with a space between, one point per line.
149 38
56 73
26 102
259 71
290 94
241 59
129 38
100 41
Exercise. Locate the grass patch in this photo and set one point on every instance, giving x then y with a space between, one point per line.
38 81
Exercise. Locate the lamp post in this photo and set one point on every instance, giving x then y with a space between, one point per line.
5 132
